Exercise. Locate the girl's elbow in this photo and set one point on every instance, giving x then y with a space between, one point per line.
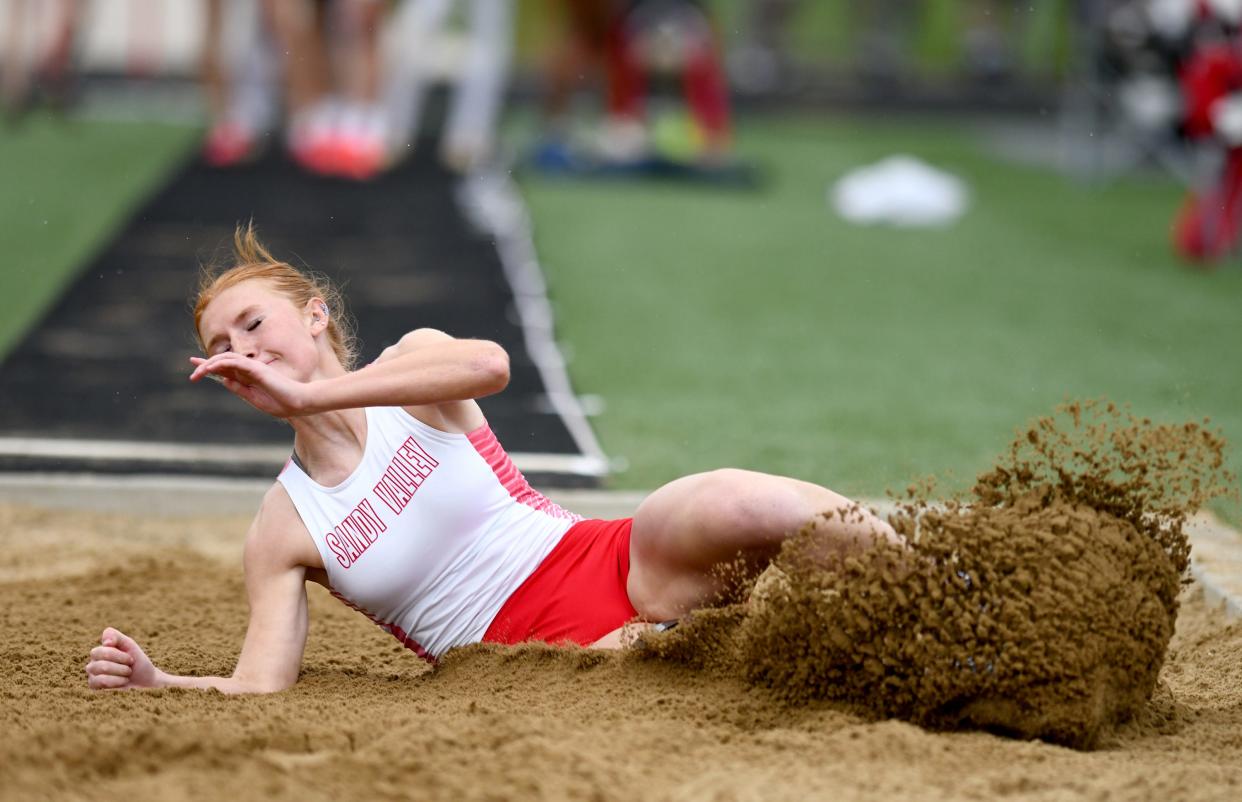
244 684
496 369
272 687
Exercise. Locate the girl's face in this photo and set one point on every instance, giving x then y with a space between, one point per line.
255 321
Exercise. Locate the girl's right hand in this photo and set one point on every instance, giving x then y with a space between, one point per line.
255 382
118 662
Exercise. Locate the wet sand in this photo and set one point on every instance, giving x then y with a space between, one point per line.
370 720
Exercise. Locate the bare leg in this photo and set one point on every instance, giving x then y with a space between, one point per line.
359 54
691 525
57 66
622 636
298 29
211 67
418 23
470 130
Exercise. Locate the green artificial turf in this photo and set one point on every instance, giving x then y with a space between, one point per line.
67 185
759 330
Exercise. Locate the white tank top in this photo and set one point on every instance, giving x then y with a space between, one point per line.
432 531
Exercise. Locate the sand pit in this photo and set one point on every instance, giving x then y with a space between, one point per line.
368 720
746 710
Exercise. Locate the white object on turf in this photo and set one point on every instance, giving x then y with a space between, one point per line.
900 191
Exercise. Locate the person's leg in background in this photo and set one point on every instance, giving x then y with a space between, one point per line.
299 28
415 25
362 131
470 131
707 93
241 101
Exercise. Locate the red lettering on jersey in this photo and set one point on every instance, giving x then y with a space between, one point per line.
355 534
406 474
366 512
348 529
421 461
393 492
352 547
410 467
341 556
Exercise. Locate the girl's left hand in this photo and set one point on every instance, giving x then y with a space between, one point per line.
255 382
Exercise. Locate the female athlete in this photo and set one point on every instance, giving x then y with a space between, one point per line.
399 499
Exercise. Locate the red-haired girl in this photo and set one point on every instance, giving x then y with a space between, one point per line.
400 500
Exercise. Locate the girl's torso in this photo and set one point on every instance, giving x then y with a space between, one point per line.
430 533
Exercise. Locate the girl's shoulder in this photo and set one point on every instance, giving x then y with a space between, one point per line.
279 532
455 417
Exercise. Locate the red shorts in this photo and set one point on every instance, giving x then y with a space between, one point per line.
576 594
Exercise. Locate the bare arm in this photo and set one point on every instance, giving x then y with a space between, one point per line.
272 652
427 368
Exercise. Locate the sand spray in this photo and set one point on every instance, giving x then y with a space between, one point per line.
1039 604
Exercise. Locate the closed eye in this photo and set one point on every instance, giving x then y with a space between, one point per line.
254 325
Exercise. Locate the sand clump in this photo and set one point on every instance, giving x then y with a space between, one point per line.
1040 604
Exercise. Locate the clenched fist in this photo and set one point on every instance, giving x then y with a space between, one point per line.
119 662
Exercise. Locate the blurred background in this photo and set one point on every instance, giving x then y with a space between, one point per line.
858 243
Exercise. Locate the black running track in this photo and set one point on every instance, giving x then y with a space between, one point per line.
109 360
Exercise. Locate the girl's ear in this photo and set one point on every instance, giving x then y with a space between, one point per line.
319 314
